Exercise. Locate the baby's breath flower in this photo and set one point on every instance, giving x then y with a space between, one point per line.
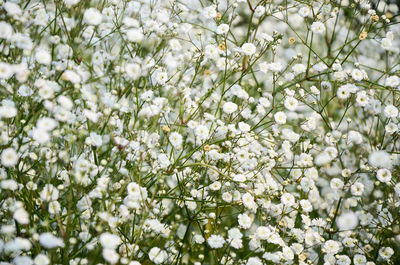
216 241
9 157
318 27
48 240
92 16
248 49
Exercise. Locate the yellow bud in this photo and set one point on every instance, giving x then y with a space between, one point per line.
363 35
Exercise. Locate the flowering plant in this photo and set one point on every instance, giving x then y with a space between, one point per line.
199 132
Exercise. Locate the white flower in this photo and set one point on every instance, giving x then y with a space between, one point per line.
386 43
12 9
110 241
275 67
222 29
6 71
48 240
176 45
134 35
43 56
244 221
287 253
307 184
362 98
41 259
244 127
94 139
359 259
266 37
287 199
54 207
357 189
227 197
331 247
65 102
254 261
22 260
248 49
216 241
264 102
25 91
40 136
8 109
260 11
299 68
92 16
386 252
384 175
9 184
49 193
345 91
212 52
201 132
136 192
46 92
16 244
390 35
392 81
336 184
210 12
23 41
305 11
71 2
176 139
380 159
357 74
320 67
9 157
215 185
71 76
157 255
21 216
291 103
239 178
347 221
6 30
343 260
354 137
391 111
229 107
84 203
263 67
263 232
280 117
234 233
163 160
160 77
306 205
133 70
46 124
248 201
198 239
391 128
318 27
110 255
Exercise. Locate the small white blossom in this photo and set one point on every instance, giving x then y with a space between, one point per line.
248 49
318 27
92 16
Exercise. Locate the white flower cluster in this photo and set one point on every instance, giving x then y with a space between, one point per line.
245 132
